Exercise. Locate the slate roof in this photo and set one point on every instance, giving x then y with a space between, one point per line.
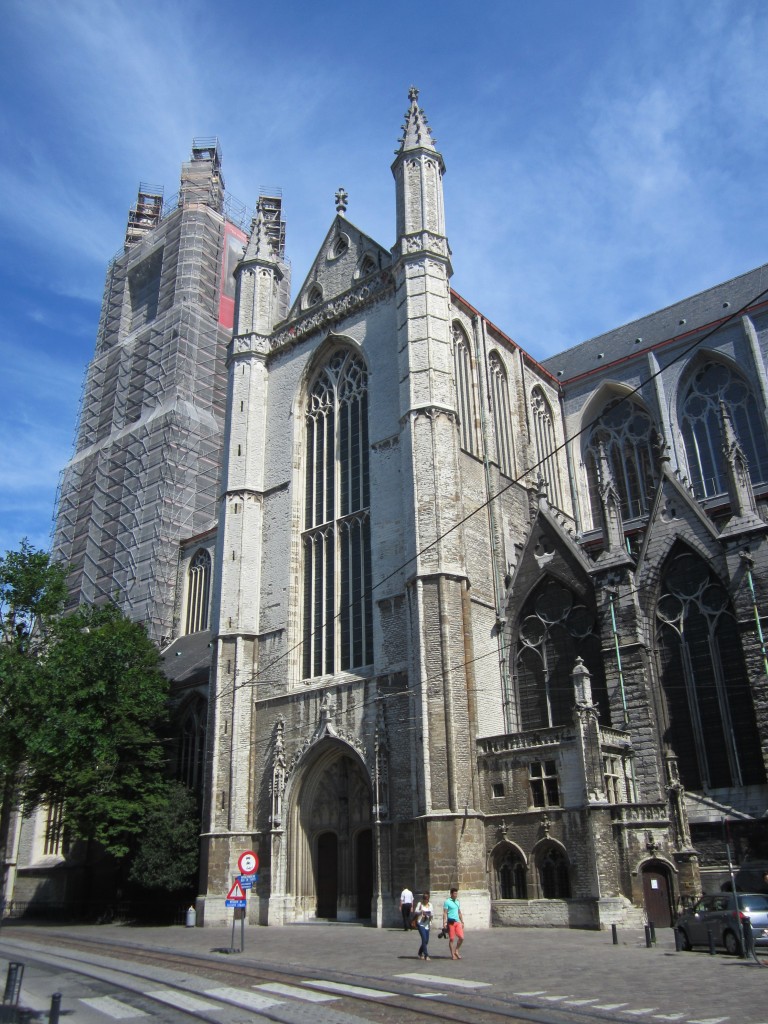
188 658
684 318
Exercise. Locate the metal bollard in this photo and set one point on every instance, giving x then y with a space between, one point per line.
615 934
13 984
711 938
749 938
648 942
678 941
53 1015
652 926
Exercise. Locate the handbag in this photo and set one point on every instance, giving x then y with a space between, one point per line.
414 919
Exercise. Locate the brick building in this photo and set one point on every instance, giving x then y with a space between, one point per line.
471 619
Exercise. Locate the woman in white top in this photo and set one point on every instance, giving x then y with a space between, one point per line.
424 911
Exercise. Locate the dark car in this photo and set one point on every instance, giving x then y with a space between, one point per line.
717 914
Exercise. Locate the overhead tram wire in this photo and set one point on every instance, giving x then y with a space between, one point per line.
512 483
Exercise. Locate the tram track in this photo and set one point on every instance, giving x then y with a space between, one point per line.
143 971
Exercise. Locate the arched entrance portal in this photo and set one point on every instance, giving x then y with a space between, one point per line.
656 894
330 859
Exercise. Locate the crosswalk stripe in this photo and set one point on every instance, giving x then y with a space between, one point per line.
113 1007
352 990
436 979
242 997
181 1000
297 993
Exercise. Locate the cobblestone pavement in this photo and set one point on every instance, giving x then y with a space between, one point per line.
568 970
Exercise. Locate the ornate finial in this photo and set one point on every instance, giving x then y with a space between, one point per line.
341 201
413 94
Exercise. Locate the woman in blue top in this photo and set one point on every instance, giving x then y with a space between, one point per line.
454 922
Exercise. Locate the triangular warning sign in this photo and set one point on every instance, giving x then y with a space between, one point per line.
236 892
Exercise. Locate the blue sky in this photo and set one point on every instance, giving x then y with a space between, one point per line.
603 159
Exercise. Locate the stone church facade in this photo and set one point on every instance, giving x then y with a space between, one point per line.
466 618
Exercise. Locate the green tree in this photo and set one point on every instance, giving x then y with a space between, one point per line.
82 704
167 853
32 595
99 704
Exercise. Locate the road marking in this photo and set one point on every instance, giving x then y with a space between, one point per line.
708 1020
352 990
242 997
553 999
610 1006
669 1016
539 992
430 995
181 1000
436 979
640 1013
298 993
113 1007
579 1002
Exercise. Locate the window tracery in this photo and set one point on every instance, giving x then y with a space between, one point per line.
465 390
700 422
502 422
546 445
626 432
336 538
711 719
198 592
555 628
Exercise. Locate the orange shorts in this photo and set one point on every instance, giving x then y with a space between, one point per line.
455 930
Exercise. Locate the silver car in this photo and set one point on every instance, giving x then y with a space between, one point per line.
717 914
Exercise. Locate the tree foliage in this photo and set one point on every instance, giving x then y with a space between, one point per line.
167 854
82 701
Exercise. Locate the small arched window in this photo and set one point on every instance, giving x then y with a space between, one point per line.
546 445
314 296
198 592
701 424
465 390
367 265
626 431
502 422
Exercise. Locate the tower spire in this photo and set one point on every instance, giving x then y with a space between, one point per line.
416 131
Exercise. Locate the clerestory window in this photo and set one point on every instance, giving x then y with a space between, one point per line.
626 432
198 592
701 422
465 390
502 422
336 538
546 446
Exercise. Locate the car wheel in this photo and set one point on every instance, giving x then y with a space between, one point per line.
685 942
731 943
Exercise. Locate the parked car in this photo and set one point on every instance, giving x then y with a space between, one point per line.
717 914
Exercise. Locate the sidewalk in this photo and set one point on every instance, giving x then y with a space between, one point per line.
548 966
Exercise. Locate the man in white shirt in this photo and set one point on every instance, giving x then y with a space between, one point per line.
406 905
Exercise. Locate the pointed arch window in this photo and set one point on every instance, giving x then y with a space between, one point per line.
700 421
465 390
502 421
511 881
191 759
546 445
555 629
626 432
198 592
336 538
711 725
554 877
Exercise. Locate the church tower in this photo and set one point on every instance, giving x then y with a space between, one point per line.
447 824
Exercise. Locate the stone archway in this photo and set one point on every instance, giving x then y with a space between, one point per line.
329 856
